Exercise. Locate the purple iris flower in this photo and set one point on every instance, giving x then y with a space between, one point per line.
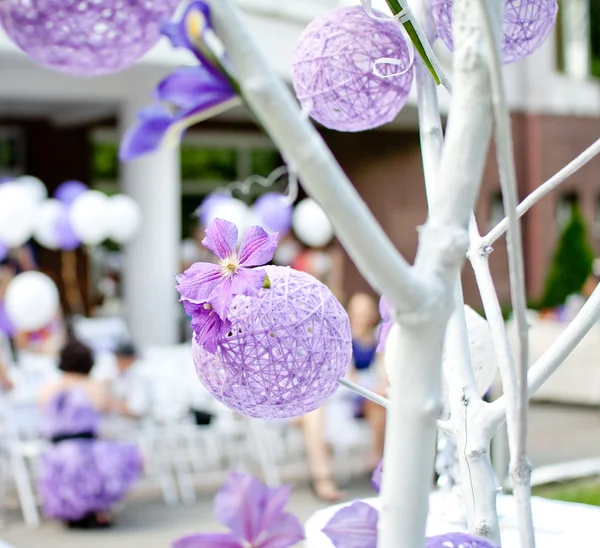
207 289
254 515
190 94
386 323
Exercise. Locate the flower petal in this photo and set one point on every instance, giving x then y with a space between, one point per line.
353 527
247 281
221 238
147 134
286 531
194 87
385 309
221 297
376 478
382 335
276 499
238 505
207 540
208 327
257 247
199 281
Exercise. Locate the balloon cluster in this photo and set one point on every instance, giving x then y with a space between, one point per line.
75 215
273 212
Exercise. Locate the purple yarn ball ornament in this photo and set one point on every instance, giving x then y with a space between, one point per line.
274 213
286 350
527 24
335 64
85 37
458 540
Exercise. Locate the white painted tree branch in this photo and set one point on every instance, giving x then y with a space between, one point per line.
520 470
557 353
361 391
477 476
586 156
299 142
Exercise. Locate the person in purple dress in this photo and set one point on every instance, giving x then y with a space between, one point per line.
81 477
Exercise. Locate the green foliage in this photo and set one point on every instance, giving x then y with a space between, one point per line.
200 164
581 491
105 162
572 262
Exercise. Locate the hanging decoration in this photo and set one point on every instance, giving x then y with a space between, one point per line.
85 38
17 214
269 342
68 191
274 213
89 217
458 540
527 24
204 212
31 301
124 218
34 186
311 224
352 72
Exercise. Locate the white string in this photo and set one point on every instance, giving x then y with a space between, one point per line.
404 16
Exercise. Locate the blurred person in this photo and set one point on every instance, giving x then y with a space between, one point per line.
81 477
366 367
129 387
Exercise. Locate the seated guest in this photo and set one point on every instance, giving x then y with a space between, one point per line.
81 477
130 390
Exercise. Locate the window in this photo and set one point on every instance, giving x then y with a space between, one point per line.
496 210
564 210
11 152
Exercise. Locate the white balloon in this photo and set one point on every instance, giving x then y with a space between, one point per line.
124 218
47 216
235 211
17 214
31 301
89 217
311 224
34 186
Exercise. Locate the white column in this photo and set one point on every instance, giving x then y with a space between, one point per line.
152 258
576 38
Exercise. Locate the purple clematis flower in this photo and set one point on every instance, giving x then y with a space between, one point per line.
207 289
190 94
386 323
254 515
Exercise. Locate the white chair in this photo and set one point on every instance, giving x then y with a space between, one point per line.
24 445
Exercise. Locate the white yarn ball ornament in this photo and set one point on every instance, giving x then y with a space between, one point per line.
89 216
124 218
31 301
17 214
311 224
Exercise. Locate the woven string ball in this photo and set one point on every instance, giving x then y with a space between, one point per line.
458 540
85 37
286 350
527 24
333 70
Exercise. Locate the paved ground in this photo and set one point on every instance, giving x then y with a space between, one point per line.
557 434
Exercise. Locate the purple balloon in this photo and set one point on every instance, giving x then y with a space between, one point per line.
274 213
3 251
86 38
69 191
208 204
6 180
458 540
6 326
67 240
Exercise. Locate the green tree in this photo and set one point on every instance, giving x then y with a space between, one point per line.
595 35
572 263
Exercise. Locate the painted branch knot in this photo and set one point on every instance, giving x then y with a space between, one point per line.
446 243
483 528
476 453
